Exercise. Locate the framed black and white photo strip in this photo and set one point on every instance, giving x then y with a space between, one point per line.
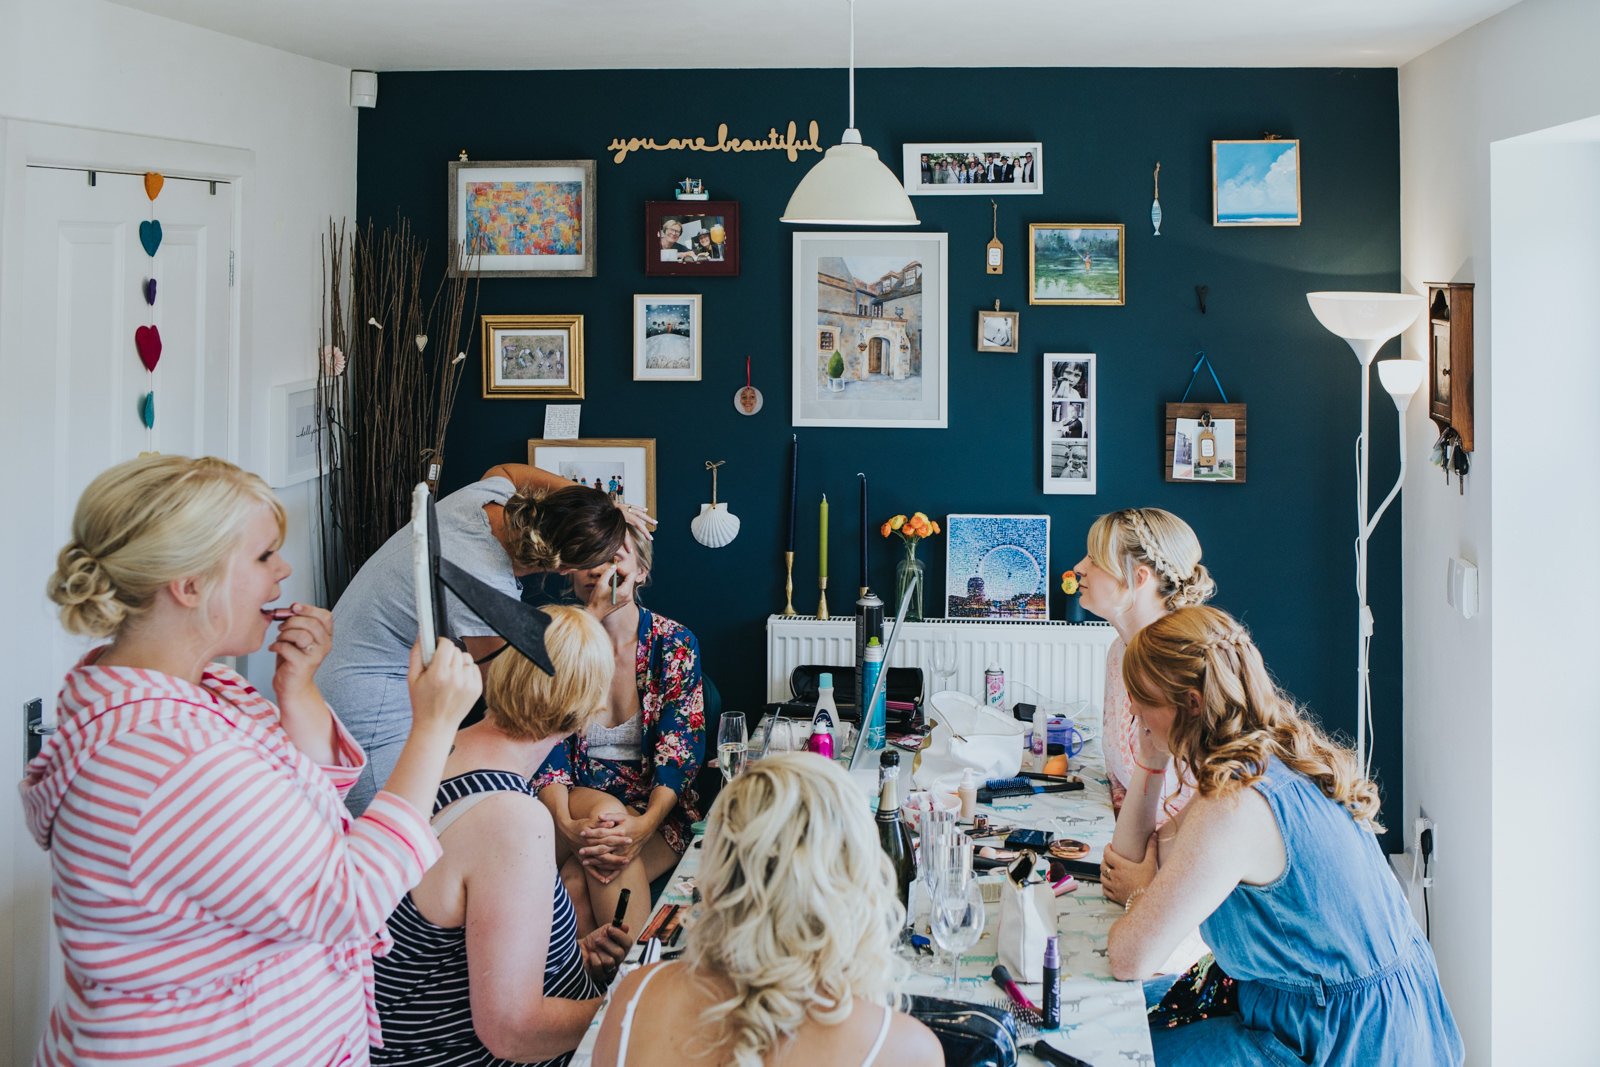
1068 425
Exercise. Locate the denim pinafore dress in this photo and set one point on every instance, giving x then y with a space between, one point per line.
1332 967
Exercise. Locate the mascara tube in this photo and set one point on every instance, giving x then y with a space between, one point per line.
1052 982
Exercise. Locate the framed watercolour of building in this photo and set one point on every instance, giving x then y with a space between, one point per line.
870 337
525 219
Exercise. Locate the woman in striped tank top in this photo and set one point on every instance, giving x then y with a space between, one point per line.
214 900
487 967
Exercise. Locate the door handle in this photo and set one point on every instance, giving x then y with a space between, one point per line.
34 728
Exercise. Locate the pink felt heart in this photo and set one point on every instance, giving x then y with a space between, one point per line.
147 339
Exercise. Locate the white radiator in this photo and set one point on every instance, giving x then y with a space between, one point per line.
1058 661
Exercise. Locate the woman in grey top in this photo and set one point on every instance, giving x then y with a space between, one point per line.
516 520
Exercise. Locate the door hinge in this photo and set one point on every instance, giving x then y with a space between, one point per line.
230 268
34 728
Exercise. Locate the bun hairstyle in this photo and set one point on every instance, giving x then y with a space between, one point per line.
528 704
1119 543
147 522
570 527
781 841
1243 718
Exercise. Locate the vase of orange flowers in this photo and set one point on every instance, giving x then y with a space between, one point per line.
909 570
1075 608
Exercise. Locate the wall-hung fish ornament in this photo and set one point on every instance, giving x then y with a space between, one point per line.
715 526
1155 205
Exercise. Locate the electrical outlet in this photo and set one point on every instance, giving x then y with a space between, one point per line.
1419 824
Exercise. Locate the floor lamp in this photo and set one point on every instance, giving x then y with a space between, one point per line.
1367 321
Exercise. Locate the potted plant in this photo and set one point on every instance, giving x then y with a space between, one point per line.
836 372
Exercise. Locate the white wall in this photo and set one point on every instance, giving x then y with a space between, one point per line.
1470 684
92 64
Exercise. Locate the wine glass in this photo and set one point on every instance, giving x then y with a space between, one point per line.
957 917
945 662
733 745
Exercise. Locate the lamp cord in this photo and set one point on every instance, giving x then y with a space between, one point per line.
852 64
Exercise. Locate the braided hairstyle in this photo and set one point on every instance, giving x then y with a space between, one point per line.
1121 542
568 528
1243 716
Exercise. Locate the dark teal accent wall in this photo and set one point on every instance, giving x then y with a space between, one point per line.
1280 546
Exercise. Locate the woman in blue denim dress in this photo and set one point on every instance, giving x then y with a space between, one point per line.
1275 859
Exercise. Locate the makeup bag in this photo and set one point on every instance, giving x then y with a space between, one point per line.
1027 918
976 1035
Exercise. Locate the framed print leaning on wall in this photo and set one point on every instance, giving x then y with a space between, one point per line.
526 218
870 338
1068 425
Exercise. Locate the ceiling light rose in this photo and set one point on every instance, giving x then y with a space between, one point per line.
851 186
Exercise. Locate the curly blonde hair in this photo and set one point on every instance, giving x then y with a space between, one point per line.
570 527
1121 542
147 522
799 913
1243 718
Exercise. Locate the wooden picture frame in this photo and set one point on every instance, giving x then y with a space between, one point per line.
667 330
997 330
1229 449
1069 263
532 357
695 251
531 218
631 460
1256 182
1069 423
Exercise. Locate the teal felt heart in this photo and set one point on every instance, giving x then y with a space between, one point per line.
150 236
147 411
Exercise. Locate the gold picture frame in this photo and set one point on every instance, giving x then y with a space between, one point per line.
1069 263
532 357
631 460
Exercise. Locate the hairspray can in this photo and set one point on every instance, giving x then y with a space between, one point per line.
994 686
869 624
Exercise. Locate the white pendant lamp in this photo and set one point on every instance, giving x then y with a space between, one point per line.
851 186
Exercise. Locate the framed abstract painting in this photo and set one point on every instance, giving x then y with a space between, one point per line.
526 218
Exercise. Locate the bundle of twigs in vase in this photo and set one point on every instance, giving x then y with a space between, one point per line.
392 357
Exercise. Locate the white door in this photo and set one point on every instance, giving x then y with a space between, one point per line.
73 384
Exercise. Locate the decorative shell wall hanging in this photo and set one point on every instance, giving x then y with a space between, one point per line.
715 526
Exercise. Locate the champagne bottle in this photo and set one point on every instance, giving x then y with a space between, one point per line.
895 839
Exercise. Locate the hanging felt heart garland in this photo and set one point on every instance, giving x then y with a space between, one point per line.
147 338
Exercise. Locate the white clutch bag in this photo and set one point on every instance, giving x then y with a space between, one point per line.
966 734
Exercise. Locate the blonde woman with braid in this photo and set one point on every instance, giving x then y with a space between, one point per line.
1141 564
1276 858
791 952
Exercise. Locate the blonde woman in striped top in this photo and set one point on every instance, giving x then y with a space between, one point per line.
214 901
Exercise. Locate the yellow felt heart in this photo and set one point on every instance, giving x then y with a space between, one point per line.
152 184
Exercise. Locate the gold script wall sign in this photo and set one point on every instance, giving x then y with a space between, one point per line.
774 141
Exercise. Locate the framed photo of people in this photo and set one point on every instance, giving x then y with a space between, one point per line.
691 238
974 168
524 218
666 337
624 467
871 344
1068 430
533 357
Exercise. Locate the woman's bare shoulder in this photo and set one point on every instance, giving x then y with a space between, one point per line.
910 1044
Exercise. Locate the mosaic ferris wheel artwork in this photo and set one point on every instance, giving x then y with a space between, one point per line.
997 567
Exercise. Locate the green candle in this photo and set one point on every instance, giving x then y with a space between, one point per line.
822 550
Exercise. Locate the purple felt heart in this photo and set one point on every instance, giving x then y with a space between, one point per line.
147 339
150 291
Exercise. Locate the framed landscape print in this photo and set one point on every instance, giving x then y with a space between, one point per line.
533 357
870 337
1075 263
1068 425
997 566
1255 183
525 219
625 467
691 238
975 168
666 337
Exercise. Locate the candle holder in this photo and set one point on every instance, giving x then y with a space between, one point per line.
788 584
822 605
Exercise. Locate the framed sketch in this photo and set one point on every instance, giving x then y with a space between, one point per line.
1255 183
1068 426
525 219
295 432
1205 443
625 467
997 566
537 357
1075 263
974 168
997 330
666 337
698 238
870 337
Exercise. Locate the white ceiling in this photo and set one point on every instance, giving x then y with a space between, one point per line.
598 34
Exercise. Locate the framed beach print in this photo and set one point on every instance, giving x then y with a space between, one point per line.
1255 183
870 337
666 337
1075 263
1067 432
625 467
533 357
997 566
525 219
295 432
975 168
997 330
691 238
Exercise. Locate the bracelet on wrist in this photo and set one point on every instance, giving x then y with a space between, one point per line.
1127 905
1159 773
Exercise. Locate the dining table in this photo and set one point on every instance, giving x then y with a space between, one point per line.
1103 1020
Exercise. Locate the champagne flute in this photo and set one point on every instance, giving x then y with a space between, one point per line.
945 661
733 745
957 917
